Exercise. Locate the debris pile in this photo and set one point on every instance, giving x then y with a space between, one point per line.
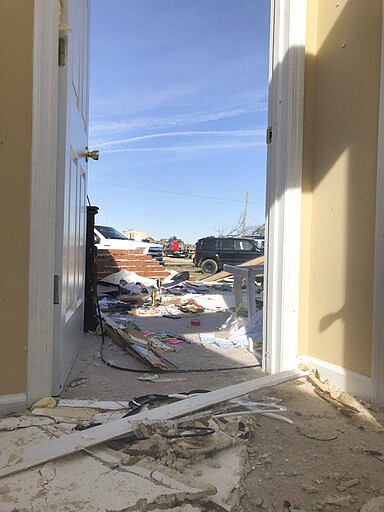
124 296
174 457
139 420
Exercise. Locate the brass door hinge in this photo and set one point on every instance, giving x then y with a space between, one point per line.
56 289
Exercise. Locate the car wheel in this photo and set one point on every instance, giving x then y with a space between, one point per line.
209 267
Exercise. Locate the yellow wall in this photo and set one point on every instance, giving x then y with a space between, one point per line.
16 26
343 52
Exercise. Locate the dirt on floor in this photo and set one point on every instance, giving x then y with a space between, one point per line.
324 460
103 382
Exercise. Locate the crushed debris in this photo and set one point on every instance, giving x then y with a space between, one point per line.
248 463
38 454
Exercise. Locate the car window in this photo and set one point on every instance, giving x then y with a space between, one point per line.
228 244
236 245
246 245
111 233
209 243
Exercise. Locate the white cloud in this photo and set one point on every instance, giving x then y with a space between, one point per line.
147 122
217 133
192 147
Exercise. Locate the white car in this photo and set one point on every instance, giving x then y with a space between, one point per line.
107 237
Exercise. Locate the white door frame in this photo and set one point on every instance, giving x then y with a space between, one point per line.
377 372
284 188
43 192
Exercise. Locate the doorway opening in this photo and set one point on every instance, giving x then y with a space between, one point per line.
179 111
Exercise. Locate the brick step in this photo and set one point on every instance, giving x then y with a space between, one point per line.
152 264
152 275
113 270
110 261
145 261
133 257
119 252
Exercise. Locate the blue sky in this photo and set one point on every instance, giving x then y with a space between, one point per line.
178 110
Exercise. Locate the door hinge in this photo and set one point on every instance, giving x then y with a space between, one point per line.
56 289
62 56
268 138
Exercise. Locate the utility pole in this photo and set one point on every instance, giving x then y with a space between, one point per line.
245 212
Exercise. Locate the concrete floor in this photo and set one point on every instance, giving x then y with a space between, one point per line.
321 460
103 479
105 383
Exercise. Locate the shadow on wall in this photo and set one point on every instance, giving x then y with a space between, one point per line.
342 81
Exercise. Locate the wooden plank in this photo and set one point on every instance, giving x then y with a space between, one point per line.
107 405
222 275
136 345
133 339
150 357
15 460
112 334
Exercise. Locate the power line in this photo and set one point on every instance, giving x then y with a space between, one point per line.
158 191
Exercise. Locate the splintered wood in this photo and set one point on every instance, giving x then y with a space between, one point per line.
133 342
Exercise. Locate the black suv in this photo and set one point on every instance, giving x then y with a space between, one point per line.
212 252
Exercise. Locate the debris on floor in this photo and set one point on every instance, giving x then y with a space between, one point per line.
14 460
121 307
130 293
165 458
322 460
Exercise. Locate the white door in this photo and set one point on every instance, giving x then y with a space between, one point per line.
71 186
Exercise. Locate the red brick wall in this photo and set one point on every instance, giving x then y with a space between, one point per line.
112 260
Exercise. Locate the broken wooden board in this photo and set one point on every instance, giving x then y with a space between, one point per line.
150 357
112 334
132 344
338 400
79 415
107 405
222 274
344 409
133 339
15 460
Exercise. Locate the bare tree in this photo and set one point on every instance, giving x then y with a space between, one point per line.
235 230
238 228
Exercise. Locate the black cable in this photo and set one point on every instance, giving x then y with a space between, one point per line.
191 431
150 370
137 403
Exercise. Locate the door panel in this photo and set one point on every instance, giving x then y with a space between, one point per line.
71 187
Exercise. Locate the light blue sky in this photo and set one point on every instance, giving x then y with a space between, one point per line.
178 110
